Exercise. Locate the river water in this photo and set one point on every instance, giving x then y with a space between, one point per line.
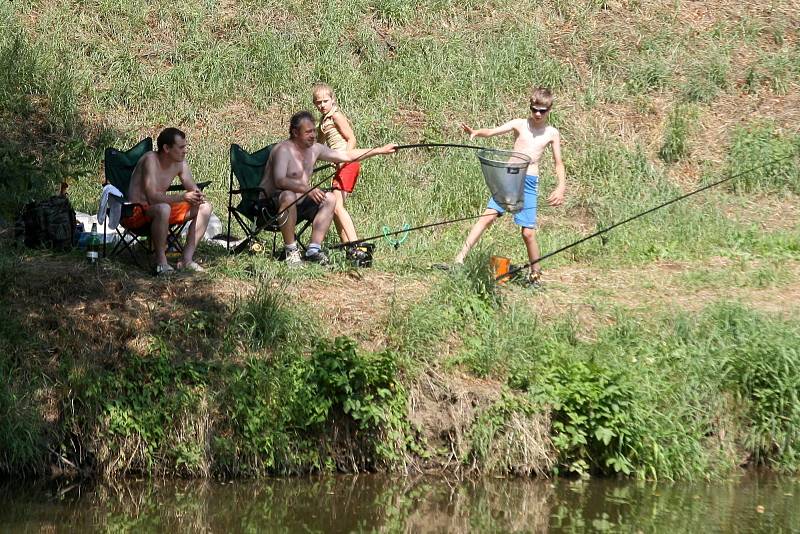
379 503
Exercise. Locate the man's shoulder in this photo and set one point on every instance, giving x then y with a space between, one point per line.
280 146
148 157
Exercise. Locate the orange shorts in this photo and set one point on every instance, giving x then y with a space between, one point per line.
178 213
346 176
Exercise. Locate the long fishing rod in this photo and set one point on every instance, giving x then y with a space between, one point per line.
278 215
303 195
421 227
406 230
629 219
430 145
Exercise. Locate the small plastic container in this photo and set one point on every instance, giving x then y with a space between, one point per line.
500 266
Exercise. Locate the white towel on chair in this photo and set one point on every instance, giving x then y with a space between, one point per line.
114 208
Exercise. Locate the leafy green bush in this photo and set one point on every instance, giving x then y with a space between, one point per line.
343 381
140 414
591 408
286 417
762 369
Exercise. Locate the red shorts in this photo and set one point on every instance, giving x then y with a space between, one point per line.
347 176
178 213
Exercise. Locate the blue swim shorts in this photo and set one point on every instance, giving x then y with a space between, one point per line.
527 217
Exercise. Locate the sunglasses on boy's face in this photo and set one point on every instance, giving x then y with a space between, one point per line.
539 110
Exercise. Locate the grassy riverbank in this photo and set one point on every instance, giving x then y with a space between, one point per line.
667 351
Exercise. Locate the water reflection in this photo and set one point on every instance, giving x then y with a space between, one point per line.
375 503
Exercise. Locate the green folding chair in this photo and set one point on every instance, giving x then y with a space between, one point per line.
119 166
248 169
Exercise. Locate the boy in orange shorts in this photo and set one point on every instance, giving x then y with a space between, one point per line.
335 131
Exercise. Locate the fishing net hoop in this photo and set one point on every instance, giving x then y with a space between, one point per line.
504 172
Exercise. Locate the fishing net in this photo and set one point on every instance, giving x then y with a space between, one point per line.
504 172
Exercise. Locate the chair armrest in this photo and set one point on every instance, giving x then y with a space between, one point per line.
122 200
248 190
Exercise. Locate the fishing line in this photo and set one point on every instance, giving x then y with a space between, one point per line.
303 195
413 229
629 219
386 234
361 157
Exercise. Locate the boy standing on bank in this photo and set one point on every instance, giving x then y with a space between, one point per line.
531 137
334 130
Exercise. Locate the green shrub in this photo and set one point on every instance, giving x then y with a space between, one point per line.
146 416
365 387
763 159
762 369
591 409
679 126
706 78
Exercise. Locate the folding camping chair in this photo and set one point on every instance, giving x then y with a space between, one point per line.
119 168
249 169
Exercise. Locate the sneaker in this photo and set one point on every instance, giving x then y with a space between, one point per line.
164 270
535 279
358 256
293 259
317 256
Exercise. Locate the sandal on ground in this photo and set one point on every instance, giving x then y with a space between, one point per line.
191 266
164 269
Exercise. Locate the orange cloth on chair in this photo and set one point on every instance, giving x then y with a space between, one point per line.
178 213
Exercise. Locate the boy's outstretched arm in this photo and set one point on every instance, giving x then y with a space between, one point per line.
487 132
556 198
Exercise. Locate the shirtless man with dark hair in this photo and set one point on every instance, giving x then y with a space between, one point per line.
287 178
151 178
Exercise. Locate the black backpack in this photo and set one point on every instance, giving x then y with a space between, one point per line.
49 223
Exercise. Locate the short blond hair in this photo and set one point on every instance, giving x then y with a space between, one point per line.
323 87
542 97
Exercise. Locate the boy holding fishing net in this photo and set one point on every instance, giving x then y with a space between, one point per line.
532 136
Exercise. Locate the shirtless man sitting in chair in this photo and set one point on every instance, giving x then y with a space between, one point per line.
286 183
148 189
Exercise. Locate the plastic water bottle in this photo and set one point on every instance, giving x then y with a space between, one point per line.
93 246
